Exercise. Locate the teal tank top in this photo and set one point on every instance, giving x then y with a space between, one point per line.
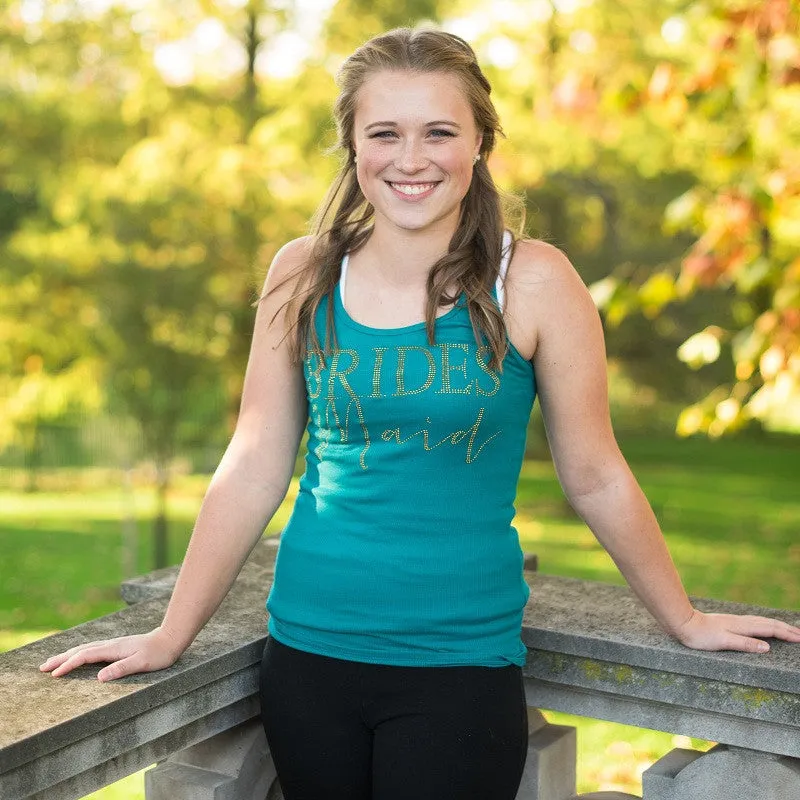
400 548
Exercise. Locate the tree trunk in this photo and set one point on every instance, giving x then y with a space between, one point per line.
33 458
130 547
160 537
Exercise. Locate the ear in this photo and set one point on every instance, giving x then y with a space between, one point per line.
478 143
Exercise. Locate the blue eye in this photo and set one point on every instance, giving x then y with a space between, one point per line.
381 134
439 132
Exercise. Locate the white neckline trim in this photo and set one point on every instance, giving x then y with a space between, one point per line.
499 285
508 240
342 276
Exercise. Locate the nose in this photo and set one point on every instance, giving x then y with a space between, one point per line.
411 157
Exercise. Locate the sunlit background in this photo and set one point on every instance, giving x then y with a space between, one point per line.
155 155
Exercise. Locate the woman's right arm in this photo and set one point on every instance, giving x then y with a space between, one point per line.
245 491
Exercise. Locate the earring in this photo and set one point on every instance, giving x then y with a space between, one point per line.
355 159
476 159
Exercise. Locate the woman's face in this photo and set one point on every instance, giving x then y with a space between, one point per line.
415 139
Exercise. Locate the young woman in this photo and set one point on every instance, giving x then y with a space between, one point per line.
410 334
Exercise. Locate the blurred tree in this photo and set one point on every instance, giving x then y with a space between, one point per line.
614 110
180 215
596 173
704 96
375 17
739 80
54 94
144 204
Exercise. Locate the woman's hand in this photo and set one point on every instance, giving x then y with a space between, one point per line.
144 652
732 632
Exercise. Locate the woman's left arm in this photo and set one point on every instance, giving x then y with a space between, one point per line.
570 366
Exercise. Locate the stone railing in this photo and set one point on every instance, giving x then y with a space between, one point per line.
592 650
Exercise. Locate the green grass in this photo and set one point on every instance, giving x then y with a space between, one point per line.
730 511
63 551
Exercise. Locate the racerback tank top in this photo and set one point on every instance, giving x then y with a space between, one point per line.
400 548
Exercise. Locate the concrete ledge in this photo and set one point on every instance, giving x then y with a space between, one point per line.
64 737
663 717
148 587
593 650
161 582
129 760
608 623
761 719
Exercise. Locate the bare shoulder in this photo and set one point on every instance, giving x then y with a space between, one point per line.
539 267
543 289
284 280
296 250
289 266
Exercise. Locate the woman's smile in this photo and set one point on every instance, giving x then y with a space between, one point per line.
413 192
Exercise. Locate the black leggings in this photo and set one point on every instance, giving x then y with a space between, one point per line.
355 731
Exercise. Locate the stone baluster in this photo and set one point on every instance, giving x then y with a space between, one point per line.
723 773
550 765
234 765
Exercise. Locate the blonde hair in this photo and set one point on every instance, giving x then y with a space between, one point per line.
343 222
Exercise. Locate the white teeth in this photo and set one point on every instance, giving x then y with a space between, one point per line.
412 188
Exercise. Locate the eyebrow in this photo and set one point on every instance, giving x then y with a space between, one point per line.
390 124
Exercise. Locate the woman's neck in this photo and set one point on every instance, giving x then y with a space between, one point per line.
403 257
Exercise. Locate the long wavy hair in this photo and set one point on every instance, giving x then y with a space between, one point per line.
344 220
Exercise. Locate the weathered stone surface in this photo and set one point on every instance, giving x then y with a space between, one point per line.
593 650
75 728
69 785
49 712
608 623
705 708
550 764
161 582
147 587
660 777
723 773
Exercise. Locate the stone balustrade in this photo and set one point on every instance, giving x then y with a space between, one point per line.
592 650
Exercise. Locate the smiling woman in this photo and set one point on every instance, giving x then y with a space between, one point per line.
416 124
406 154
410 334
